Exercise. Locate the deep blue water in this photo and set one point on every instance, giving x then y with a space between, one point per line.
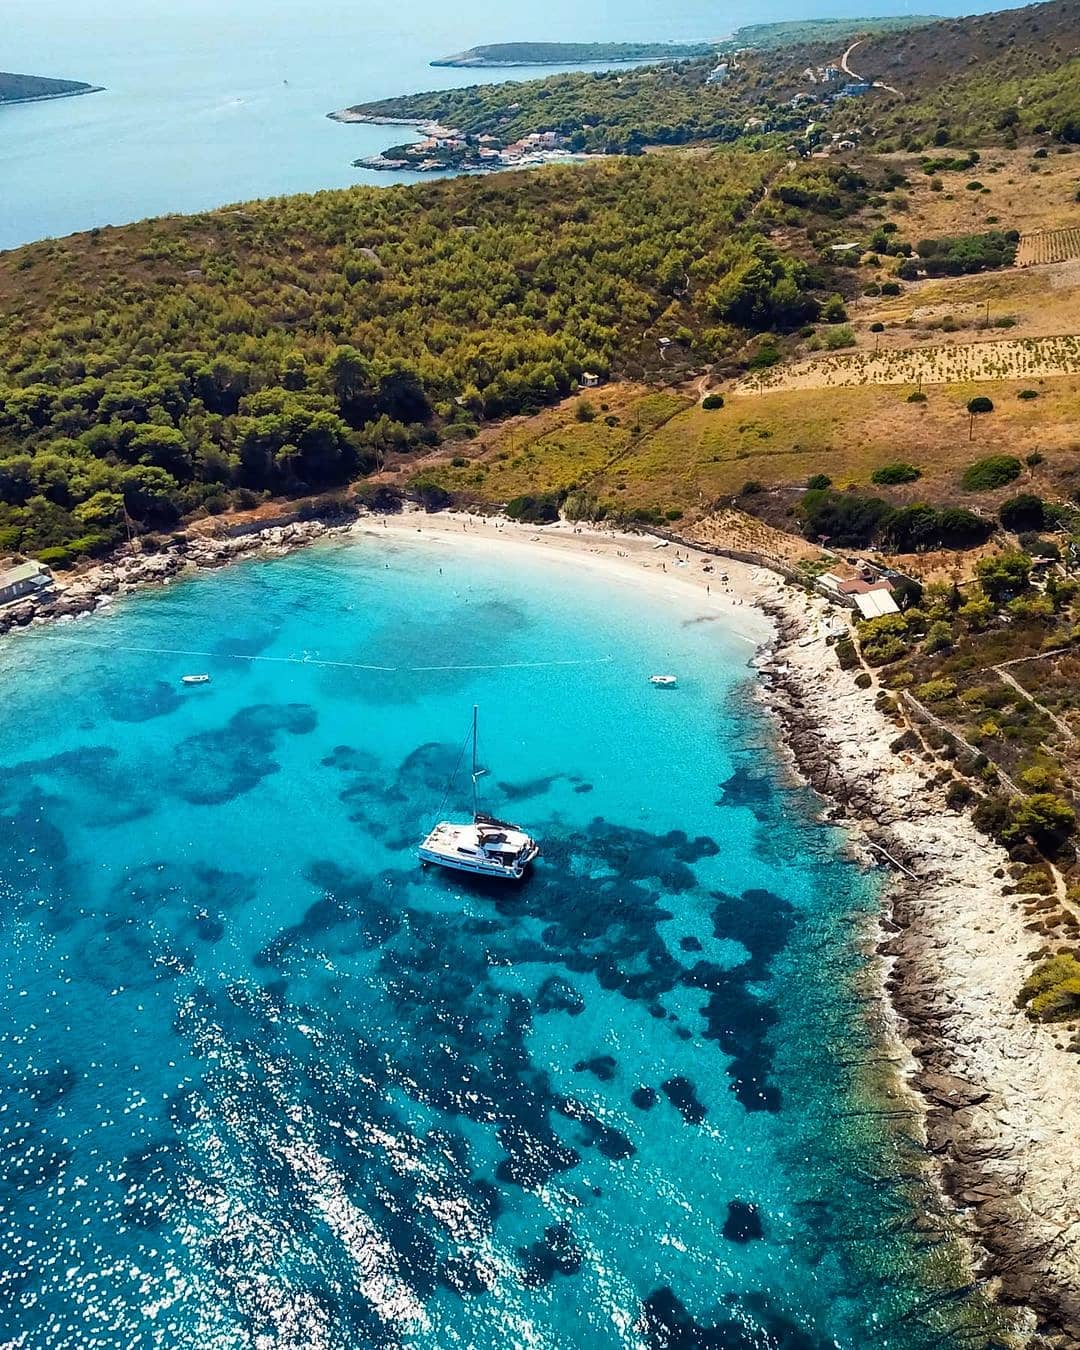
215 101
268 1084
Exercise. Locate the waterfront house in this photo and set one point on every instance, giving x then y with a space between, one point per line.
22 580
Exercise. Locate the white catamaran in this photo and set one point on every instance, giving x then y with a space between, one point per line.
487 847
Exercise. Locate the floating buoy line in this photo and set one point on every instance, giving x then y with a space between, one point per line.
320 661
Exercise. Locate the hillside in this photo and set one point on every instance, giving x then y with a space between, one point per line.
293 344
26 88
951 81
981 77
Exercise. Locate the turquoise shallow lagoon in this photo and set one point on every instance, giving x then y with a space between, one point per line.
268 1084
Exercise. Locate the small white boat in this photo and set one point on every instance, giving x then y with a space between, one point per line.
485 846
664 681
194 679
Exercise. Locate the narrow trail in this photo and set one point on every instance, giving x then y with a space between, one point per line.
844 65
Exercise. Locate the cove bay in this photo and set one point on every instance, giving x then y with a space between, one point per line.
206 103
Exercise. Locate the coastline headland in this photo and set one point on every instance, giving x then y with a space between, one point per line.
503 55
998 1094
38 88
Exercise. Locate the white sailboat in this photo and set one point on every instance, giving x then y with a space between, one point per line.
486 846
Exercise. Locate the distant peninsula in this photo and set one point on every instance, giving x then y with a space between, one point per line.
756 36
574 53
31 88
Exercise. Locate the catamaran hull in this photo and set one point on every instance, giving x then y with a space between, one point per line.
476 865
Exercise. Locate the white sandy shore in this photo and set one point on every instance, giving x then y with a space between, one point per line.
732 589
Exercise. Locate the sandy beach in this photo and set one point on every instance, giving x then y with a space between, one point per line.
999 1091
728 588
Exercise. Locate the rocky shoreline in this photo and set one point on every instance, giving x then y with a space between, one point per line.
999 1092
128 571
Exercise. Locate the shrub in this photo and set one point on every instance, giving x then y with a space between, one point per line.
836 338
1039 547
1025 511
863 680
1034 459
1044 817
833 310
55 557
534 508
939 637
845 517
1051 993
916 397
751 487
584 410
936 691
1028 394
884 639
1004 575
711 401
431 495
992 472
384 499
920 526
891 288
898 472
766 355
818 481
957 795
980 404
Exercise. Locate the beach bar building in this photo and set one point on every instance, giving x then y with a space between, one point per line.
28 578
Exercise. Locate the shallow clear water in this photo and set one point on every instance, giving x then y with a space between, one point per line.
215 101
267 1083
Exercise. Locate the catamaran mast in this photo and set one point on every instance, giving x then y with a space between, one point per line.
475 775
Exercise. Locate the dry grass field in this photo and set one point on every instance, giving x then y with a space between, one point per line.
1042 301
1024 193
689 457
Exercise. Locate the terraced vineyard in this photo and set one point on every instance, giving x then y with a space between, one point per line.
1025 357
1048 246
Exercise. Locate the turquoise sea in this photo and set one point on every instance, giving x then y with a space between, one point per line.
268 1084
215 101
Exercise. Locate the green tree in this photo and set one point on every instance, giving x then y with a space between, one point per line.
1004 574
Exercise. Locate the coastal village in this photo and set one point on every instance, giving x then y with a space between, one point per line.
804 116
442 148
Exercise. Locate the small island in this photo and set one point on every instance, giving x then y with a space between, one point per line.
33 88
573 53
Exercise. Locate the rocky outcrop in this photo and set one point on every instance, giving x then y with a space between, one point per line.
81 592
